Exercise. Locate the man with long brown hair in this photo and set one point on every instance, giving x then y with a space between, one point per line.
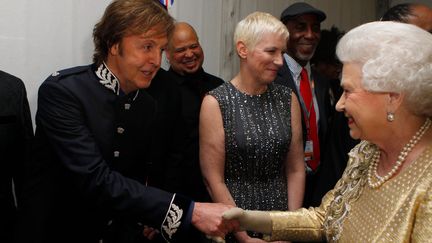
91 150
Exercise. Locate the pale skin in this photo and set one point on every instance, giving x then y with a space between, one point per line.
362 107
258 67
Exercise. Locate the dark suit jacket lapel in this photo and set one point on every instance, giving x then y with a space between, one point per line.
322 94
285 78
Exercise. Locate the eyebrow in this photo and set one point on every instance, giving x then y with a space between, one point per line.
187 46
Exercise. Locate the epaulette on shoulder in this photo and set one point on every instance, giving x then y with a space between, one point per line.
67 72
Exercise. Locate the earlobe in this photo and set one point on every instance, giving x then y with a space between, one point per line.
167 56
394 102
114 49
241 49
395 99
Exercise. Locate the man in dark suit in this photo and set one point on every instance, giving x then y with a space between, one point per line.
92 146
303 22
186 58
16 133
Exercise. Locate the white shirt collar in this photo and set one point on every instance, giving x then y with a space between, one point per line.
296 68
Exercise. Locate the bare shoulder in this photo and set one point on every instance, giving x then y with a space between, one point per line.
209 103
294 97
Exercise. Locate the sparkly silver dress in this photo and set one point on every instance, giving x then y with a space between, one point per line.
257 137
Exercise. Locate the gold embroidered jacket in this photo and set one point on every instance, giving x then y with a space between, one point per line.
398 211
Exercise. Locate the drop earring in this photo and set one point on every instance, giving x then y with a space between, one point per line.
390 116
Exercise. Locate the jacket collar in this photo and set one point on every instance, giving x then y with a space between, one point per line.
108 79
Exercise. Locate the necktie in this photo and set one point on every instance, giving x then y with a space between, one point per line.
312 153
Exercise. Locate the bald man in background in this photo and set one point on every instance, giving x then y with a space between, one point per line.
186 58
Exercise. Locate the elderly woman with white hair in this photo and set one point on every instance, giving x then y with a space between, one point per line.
251 149
385 193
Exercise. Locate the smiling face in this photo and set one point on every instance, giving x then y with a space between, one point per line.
265 58
136 59
365 110
184 50
305 33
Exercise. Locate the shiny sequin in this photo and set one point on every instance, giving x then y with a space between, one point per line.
388 213
257 137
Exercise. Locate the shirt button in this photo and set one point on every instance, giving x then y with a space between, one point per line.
116 153
120 130
127 106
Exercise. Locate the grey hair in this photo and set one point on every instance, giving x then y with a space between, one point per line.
250 29
395 57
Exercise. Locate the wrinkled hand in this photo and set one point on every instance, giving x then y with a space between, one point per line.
207 218
258 221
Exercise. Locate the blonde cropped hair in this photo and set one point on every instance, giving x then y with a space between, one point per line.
395 57
255 25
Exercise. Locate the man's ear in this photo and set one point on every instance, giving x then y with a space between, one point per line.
242 50
168 57
114 49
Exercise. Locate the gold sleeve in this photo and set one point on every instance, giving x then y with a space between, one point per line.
302 224
422 230
319 223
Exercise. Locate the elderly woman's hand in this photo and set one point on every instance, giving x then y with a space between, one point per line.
258 221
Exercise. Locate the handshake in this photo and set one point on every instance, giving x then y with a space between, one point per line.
237 219
216 220
258 221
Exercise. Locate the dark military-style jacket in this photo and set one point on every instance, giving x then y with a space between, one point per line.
93 158
185 177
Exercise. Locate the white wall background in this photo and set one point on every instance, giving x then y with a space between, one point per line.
40 37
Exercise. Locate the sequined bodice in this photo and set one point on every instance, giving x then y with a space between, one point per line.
257 136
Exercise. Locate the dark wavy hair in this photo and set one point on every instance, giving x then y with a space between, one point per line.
128 17
326 49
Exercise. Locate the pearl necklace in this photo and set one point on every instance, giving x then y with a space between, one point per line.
401 158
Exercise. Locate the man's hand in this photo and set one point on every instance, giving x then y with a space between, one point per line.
207 217
258 221
149 232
